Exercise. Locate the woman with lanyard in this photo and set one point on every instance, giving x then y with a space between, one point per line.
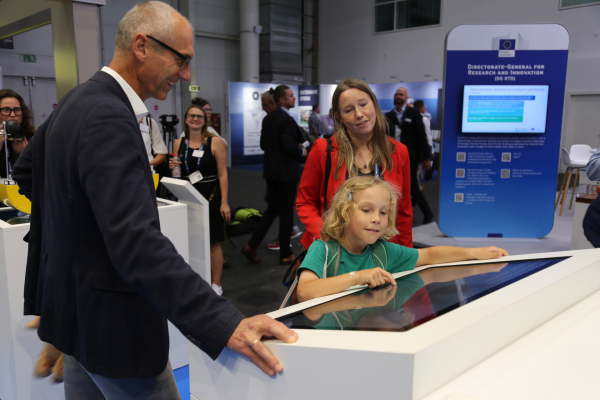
360 146
204 164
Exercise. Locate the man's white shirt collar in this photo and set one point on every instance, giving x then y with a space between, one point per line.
285 109
139 108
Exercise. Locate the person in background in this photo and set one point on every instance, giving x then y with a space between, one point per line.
153 141
13 108
360 146
591 220
204 164
281 141
328 124
268 103
315 126
205 105
419 105
114 278
406 125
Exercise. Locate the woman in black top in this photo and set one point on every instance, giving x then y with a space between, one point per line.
204 163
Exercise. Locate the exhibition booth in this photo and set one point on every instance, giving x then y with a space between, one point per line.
440 323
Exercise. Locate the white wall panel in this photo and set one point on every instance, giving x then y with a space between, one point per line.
348 47
218 61
37 42
218 17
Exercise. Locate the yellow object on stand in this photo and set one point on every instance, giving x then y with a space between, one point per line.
9 195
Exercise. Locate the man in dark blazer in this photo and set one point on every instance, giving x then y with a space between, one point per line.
284 147
99 271
406 125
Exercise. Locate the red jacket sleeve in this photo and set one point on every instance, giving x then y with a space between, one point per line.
309 203
400 176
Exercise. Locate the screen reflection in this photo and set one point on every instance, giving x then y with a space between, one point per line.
417 298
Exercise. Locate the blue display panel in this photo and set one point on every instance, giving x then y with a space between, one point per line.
501 184
416 298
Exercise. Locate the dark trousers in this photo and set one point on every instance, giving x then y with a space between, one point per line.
83 385
281 197
416 193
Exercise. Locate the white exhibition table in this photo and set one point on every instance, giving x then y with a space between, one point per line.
185 223
469 340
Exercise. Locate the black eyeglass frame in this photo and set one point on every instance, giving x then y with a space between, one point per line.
11 111
185 60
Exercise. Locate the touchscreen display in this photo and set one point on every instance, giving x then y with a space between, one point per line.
505 109
417 298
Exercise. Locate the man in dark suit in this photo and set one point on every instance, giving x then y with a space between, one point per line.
406 125
99 271
284 147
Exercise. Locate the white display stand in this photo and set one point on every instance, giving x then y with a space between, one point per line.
558 360
19 347
402 365
198 224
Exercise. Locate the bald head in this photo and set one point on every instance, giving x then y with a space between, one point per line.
153 18
400 98
153 49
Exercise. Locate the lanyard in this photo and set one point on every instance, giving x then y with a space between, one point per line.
187 168
377 171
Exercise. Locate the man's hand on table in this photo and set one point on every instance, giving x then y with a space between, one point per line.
246 341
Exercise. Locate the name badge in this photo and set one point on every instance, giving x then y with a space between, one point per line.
408 119
198 153
195 177
144 128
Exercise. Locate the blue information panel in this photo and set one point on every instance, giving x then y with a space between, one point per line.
503 103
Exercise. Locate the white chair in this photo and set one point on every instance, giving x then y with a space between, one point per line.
578 158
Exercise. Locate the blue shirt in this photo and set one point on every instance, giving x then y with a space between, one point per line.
593 167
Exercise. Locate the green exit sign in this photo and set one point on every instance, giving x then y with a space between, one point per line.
27 58
194 88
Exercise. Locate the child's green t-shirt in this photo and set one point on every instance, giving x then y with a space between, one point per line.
399 258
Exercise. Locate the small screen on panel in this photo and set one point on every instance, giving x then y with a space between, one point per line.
517 109
416 299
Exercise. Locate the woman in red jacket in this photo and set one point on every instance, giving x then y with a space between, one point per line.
360 147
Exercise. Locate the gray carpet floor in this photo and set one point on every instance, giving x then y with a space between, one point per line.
257 288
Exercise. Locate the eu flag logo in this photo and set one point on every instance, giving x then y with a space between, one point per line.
507 44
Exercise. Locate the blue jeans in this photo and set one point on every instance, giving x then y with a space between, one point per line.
83 385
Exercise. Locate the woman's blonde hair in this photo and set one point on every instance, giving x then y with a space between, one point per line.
338 217
380 144
204 133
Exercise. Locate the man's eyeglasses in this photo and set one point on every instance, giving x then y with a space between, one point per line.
7 111
194 116
184 61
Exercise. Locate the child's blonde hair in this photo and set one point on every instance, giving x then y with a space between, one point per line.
337 218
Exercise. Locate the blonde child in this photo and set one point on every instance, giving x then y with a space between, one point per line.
362 212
